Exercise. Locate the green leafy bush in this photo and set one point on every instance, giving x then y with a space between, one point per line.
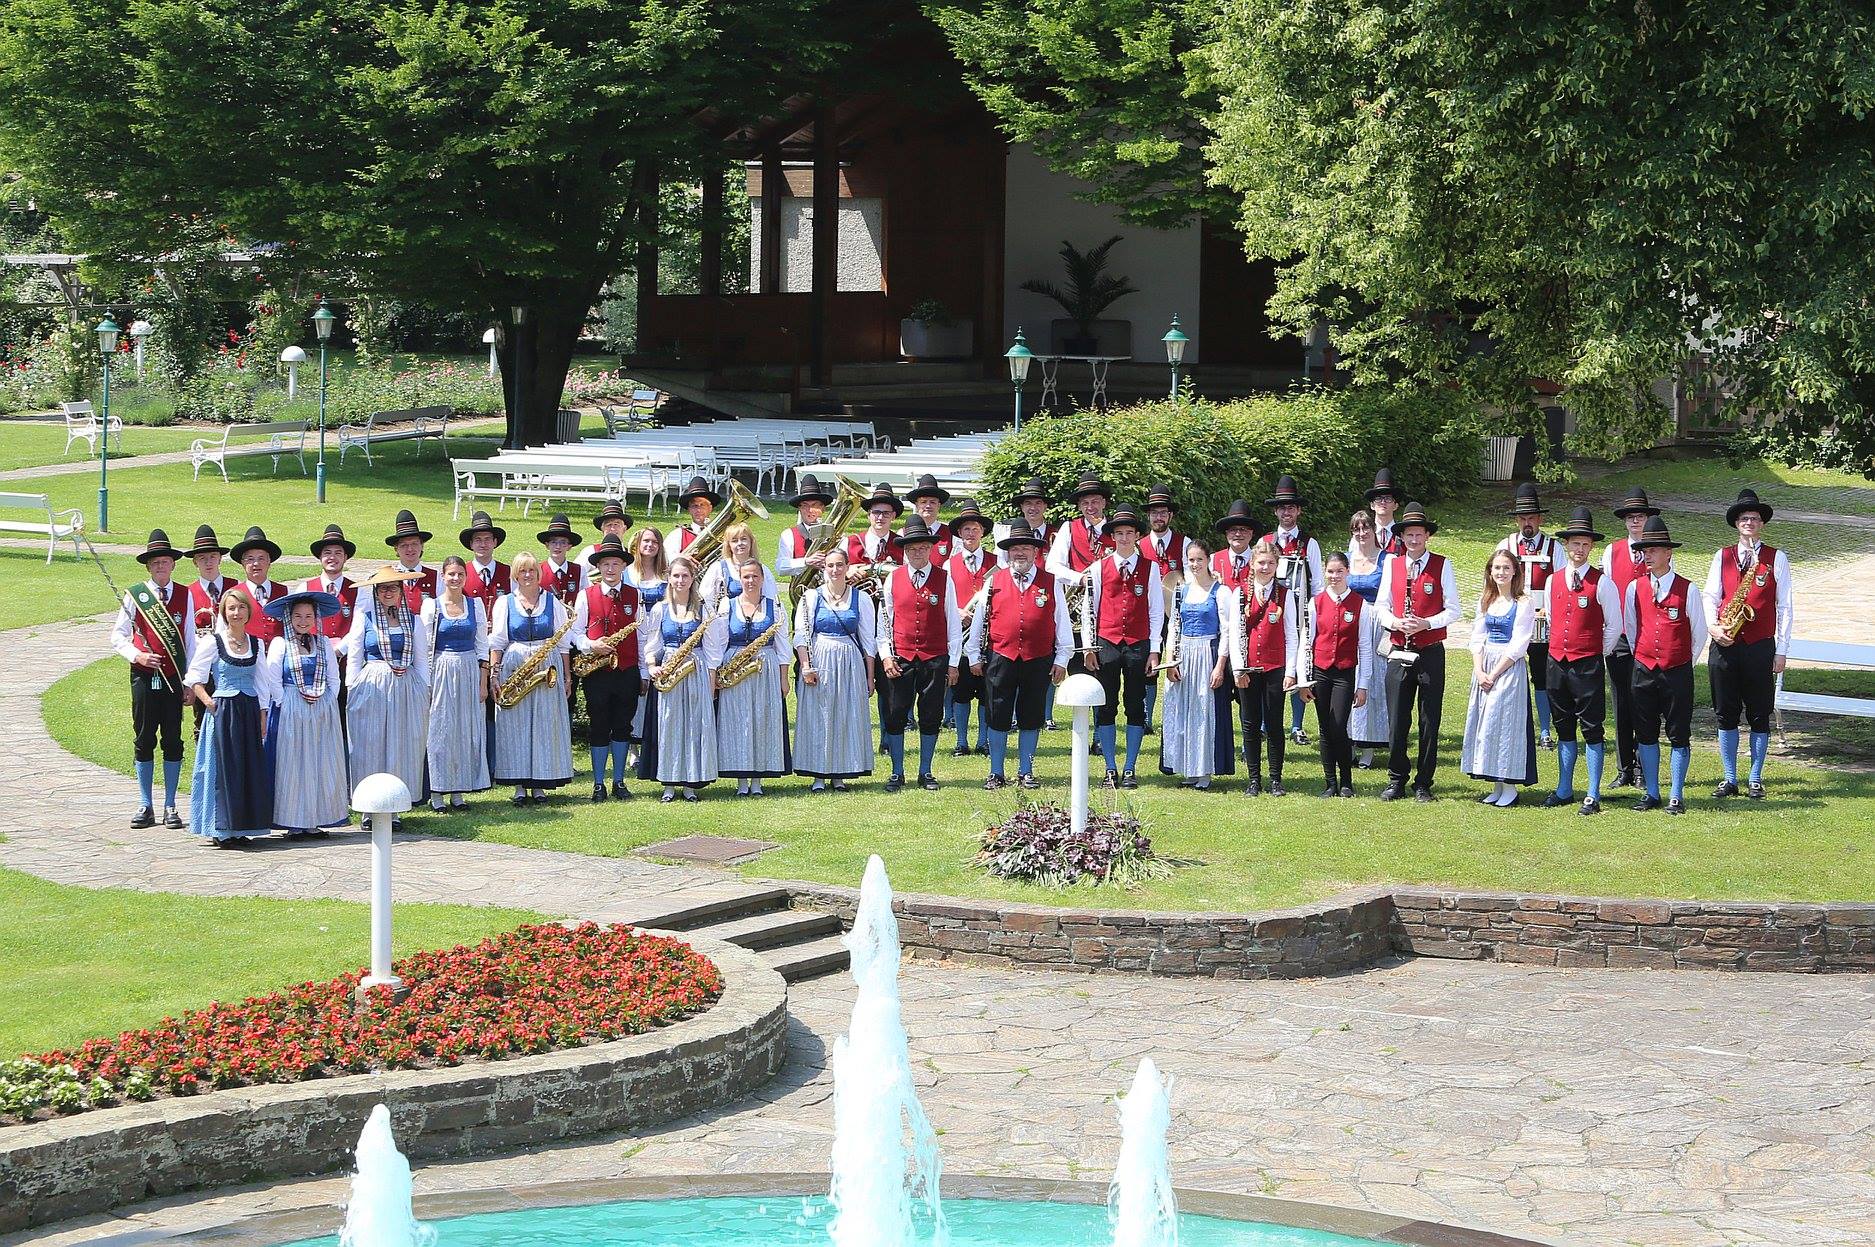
1329 440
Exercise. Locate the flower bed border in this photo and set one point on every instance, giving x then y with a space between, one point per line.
105 1158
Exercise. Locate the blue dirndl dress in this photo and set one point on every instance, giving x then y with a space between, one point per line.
231 790
1197 731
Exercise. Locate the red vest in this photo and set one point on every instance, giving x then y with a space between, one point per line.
486 591
685 536
176 602
1222 567
918 629
1173 561
1428 592
1022 625
1541 570
1085 549
967 585
1663 633
1264 623
416 590
204 604
338 625
1761 597
888 553
1575 631
1338 631
604 617
1125 612
798 536
564 584
260 625
1623 567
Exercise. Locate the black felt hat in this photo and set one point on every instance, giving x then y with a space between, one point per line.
927 487
206 542
1286 493
1636 504
1020 534
613 510
407 526
158 547
558 526
1239 515
699 488
255 540
480 523
1034 490
1581 524
1412 515
1161 496
882 493
1527 502
969 513
1748 500
1383 486
1126 516
1089 484
915 532
609 547
809 489
1655 534
334 536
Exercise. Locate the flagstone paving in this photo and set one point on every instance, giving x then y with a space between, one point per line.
1574 1107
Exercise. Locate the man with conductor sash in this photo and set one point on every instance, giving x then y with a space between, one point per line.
155 632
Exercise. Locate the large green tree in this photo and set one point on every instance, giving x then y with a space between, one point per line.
469 155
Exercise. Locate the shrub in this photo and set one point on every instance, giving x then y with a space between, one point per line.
1329 440
1037 844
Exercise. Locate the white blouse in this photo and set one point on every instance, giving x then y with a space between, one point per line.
1522 628
280 652
202 667
355 643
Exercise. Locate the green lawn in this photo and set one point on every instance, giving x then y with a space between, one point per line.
29 444
84 962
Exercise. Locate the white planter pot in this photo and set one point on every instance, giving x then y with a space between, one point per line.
919 339
1500 458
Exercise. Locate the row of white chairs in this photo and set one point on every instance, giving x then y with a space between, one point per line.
955 460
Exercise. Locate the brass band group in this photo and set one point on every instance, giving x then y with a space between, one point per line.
460 675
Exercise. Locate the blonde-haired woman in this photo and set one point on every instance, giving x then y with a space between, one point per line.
647 570
722 580
533 737
387 683
683 755
231 791
458 748
752 717
1500 734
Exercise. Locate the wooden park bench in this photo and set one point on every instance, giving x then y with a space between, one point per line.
278 438
56 527
81 424
411 425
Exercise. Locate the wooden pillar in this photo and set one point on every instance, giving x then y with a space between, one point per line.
826 241
774 182
710 265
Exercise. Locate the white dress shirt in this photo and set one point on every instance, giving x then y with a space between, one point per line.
1569 580
1230 604
1062 543
125 627
1715 592
953 620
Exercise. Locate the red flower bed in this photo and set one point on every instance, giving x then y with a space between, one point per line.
530 990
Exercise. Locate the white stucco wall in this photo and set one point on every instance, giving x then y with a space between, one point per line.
862 244
1042 212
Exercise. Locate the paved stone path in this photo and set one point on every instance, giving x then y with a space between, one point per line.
1576 1107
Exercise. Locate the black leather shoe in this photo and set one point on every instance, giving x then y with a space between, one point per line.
1331 791
1422 795
1627 777
1392 792
171 819
960 751
894 783
1129 780
145 817
1726 788
1253 788
518 799
1113 779
1644 804
598 793
928 782
1027 783
1676 806
1299 736
982 751
1347 792
1277 789
620 792
1556 800
993 783
1589 806
1755 791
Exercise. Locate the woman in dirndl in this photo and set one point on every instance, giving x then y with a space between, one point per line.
722 580
457 745
752 717
684 757
533 737
1369 726
834 648
311 790
1196 731
1500 732
647 574
231 791
387 683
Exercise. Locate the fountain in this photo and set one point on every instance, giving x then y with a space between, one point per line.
378 1213
874 1101
1140 1201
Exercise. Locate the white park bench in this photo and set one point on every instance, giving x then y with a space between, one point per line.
415 424
56 527
278 438
81 424
545 479
1837 654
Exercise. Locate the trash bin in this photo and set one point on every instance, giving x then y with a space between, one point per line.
566 428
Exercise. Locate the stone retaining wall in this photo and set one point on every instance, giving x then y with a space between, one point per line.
1358 928
94 1161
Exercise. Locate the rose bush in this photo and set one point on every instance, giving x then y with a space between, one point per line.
1037 844
533 989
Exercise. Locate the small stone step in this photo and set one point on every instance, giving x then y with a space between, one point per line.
724 909
773 927
795 962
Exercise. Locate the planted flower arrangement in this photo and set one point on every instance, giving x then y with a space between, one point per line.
534 989
1038 844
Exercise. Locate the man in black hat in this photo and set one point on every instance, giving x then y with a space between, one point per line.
969 568
606 607
1083 540
1625 562
1540 555
1166 549
1664 621
256 556
1019 646
877 544
920 646
155 633
1231 565
1299 570
1384 499
487 578
1120 636
566 578
792 555
1744 663
1416 604
210 584
701 502
1032 505
927 498
334 552
406 541
1584 610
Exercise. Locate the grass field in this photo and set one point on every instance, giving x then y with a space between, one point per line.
26 444
83 962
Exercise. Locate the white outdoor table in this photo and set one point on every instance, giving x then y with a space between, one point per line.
1097 365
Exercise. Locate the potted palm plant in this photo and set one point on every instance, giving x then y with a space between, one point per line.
1090 290
932 332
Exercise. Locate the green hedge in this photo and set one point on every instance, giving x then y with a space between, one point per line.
1210 453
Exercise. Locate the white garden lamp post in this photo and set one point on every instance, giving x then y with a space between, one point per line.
1081 692
494 364
140 330
291 358
381 797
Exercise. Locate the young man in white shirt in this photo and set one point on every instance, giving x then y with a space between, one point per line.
1664 620
810 502
920 646
1120 636
1584 610
1417 604
1019 646
1298 569
1625 562
1744 664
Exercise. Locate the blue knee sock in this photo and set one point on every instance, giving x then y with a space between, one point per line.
172 776
1566 768
1103 739
1728 753
146 777
1682 758
1649 756
1134 735
1152 700
1760 746
619 748
1295 712
999 751
600 755
960 719
927 750
895 746
1595 771
1542 711
1025 750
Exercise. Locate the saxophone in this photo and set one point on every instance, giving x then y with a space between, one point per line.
540 669
590 661
681 663
1737 611
747 660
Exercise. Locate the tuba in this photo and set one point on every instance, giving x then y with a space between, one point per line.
849 498
540 669
742 506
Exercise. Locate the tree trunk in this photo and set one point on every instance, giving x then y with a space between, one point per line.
546 341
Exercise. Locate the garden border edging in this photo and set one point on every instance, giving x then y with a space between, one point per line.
1357 928
94 1161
